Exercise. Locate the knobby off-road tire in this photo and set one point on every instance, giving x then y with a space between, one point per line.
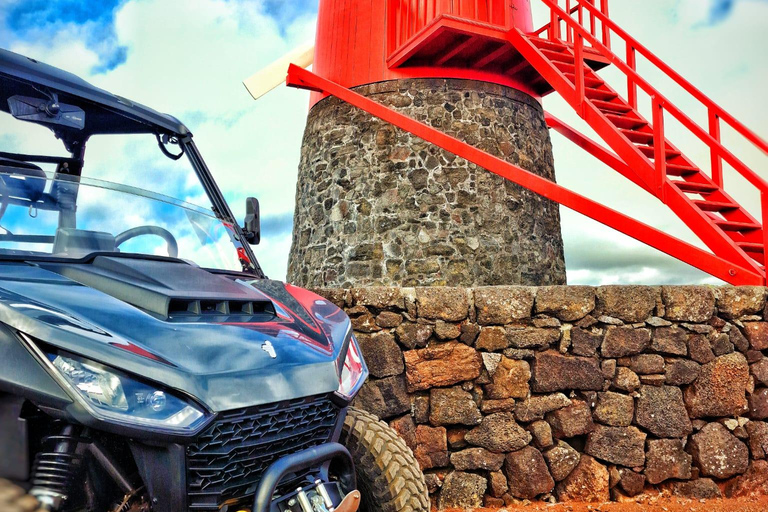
388 476
14 499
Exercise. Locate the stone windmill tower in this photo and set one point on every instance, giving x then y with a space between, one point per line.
406 93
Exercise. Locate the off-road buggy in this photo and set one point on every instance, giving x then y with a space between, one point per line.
146 363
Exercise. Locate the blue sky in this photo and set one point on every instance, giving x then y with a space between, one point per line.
188 57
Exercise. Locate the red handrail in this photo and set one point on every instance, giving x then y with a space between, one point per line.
711 138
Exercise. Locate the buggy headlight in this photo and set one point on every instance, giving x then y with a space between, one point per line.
112 395
353 373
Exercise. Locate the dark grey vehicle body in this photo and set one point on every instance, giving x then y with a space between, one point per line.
235 343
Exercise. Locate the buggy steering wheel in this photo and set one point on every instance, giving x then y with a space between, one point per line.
173 247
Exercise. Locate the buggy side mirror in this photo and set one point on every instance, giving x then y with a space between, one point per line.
252 224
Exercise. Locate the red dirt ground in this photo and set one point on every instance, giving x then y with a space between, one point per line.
651 504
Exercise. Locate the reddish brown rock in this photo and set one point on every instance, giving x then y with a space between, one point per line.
447 330
574 420
670 340
760 371
442 303
364 323
757 334
628 303
532 337
721 344
536 407
700 349
630 482
625 341
462 490
553 371
646 364
527 473
680 372
431 447
720 388
384 397
477 458
453 406
735 302
381 353
699 489
441 365
420 408
406 429
589 482
688 303
503 405
614 409
456 437
492 338
388 319
562 459
542 434
413 335
666 459
499 432
717 452
568 303
661 411
752 484
469 333
758 404
585 343
501 305
758 438
497 484
626 380
379 297
510 380
624 446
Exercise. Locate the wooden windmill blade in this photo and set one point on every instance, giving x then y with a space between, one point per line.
274 74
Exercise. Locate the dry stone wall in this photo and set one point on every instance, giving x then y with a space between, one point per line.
565 393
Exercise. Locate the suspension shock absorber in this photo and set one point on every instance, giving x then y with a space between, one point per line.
56 467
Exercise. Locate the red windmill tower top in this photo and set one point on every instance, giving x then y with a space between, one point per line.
361 42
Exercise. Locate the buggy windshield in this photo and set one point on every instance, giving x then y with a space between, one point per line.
43 215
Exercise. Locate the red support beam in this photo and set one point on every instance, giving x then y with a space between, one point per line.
708 262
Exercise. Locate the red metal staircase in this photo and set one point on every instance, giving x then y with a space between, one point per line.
564 57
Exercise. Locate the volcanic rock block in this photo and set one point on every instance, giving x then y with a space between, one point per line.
585 343
735 302
625 341
670 340
630 482
681 372
542 434
536 407
562 459
527 473
532 337
420 408
462 490
629 303
413 335
453 406
477 458
717 452
378 297
441 365
752 484
661 411
699 489
614 409
626 380
758 404
646 364
757 334
700 349
499 432
688 303
760 371
497 483
388 319
720 388
568 303
431 447
721 344
589 482
510 380
405 428
381 353
492 406
443 303
501 305
384 397
553 371
758 438
457 437
492 338
469 333
738 339
667 459
574 420
624 446
447 330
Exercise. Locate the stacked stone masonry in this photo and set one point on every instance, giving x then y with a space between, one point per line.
564 393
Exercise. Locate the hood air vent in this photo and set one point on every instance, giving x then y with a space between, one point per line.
218 310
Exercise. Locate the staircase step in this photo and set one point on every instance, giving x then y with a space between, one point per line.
714 206
751 247
729 225
547 44
626 121
681 170
560 56
650 151
588 80
599 94
639 137
565 67
692 186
